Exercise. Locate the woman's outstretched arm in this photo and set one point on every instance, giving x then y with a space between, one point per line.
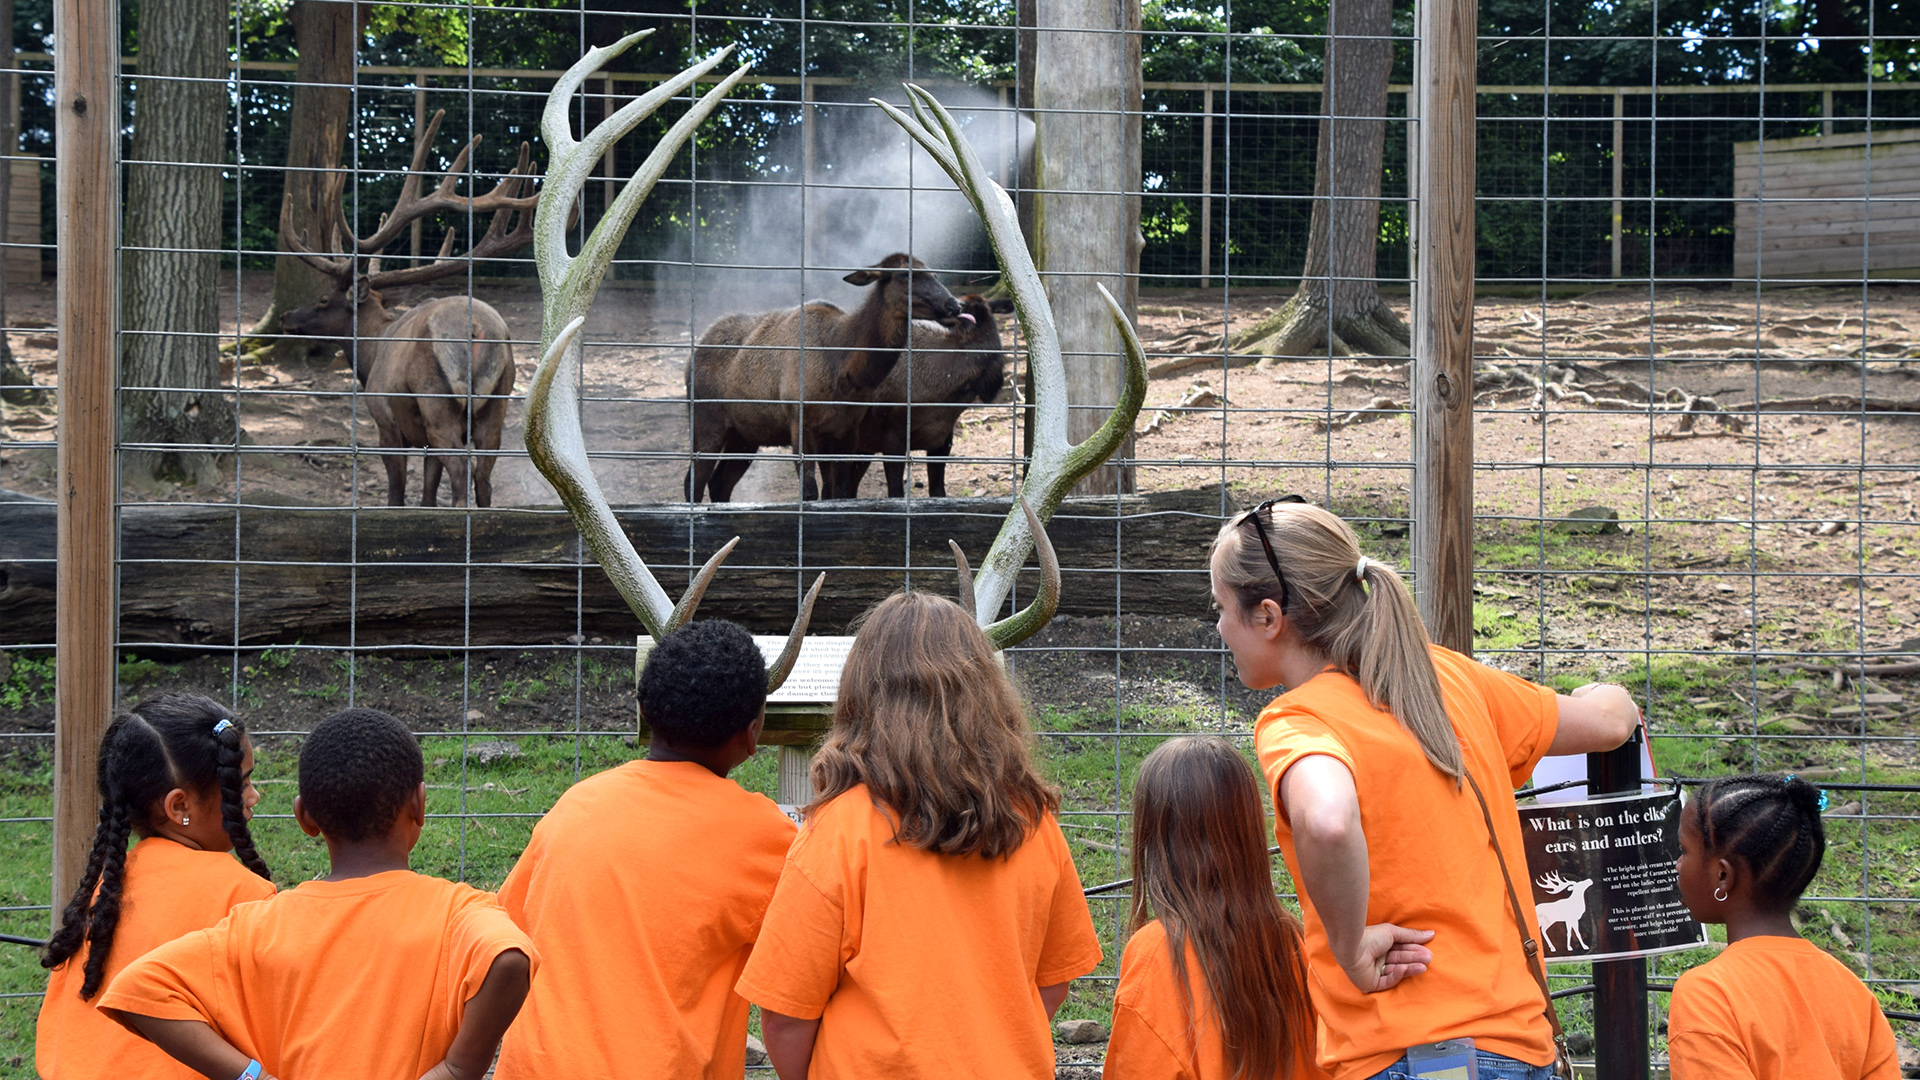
1596 717
1324 809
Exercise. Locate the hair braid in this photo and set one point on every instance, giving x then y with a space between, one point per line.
233 808
73 921
106 906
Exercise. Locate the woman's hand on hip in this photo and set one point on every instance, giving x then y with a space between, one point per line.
1387 955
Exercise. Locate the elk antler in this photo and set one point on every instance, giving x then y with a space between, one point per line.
568 284
1552 882
505 202
1055 464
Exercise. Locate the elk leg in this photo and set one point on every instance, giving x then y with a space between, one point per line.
808 490
397 481
937 470
445 420
488 422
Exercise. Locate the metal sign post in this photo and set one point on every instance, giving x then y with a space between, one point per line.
1619 986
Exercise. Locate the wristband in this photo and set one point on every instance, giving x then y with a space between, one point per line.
251 1072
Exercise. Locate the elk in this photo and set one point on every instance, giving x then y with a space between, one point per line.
437 375
919 405
800 377
1569 909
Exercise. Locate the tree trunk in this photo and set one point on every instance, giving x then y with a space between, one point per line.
1338 308
325 32
171 300
1086 172
11 374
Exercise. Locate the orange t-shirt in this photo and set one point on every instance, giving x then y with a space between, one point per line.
917 964
1154 1037
170 890
1430 864
1777 1008
367 977
643 889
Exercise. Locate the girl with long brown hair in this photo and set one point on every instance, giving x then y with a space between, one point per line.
1392 763
929 918
1234 1007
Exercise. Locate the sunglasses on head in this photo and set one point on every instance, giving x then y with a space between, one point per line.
1266 545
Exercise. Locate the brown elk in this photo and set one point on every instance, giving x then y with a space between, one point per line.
801 377
437 375
918 406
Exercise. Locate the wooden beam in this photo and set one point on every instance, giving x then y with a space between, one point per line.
87 201
438 578
1442 391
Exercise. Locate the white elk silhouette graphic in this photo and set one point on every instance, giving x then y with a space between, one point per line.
1568 909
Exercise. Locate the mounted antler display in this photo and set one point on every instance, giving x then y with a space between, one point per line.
568 285
1055 464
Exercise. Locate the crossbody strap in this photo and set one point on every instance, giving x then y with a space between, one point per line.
1535 966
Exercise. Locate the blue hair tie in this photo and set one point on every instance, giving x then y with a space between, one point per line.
1823 793
223 725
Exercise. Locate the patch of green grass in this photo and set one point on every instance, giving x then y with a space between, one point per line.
28 682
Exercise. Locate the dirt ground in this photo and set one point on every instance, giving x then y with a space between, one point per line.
1732 431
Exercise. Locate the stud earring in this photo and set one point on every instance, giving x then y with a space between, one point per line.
1720 893
184 821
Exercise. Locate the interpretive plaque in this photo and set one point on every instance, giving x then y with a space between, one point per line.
1603 879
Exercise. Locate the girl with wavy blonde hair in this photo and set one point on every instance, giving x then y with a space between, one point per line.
929 919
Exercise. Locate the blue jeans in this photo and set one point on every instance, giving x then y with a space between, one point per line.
1492 1067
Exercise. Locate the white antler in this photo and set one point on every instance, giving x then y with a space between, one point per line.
1055 464
567 286
1553 882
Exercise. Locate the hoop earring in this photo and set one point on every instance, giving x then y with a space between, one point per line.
1720 893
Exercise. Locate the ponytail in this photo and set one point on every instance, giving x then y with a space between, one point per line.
167 741
1354 611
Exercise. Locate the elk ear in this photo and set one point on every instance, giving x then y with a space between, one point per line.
1000 306
863 277
361 292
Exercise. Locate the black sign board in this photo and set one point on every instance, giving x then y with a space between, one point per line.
1603 879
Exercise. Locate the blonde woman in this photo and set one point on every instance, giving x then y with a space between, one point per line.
1391 760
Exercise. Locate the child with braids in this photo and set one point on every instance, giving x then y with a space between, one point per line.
645 885
1234 1007
1773 1006
929 919
373 972
176 772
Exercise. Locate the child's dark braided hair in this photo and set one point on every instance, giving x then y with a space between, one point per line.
1771 822
168 741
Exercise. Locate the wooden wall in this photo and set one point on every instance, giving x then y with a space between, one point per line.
1819 210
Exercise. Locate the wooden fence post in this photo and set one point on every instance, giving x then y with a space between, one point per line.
1206 184
1442 502
1619 173
86 131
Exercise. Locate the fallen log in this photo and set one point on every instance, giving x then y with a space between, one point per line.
387 576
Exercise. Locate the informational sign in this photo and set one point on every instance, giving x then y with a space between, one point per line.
815 678
816 674
1603 878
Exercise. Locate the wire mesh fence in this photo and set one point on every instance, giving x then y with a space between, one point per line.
1695 461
